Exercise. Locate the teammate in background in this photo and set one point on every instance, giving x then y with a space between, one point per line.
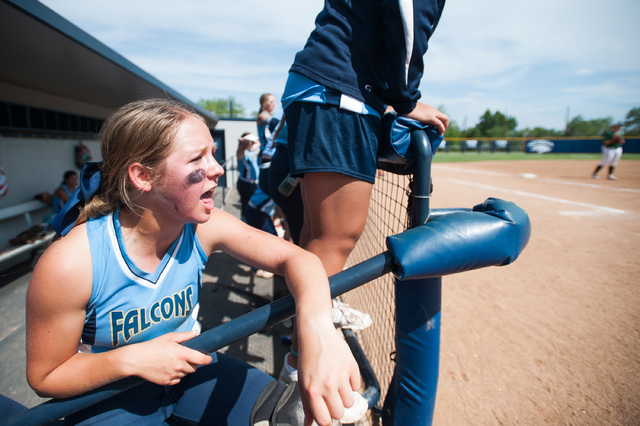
612 142
284 189
248 154
266 123
363 56
259 213
117 295
62 193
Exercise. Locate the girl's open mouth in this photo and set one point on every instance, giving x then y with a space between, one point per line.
207 199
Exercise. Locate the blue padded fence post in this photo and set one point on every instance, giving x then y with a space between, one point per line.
412 392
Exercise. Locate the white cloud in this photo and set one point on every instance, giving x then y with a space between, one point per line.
585 71
530 59
524 54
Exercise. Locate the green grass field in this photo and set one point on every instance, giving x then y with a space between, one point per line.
454 157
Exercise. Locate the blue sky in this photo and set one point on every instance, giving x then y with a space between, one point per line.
537 61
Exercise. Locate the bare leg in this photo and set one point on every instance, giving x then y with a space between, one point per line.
335 208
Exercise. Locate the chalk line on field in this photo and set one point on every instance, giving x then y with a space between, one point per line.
554 181
597 208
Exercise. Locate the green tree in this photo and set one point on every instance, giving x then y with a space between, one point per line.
632 123
453 130
578 126
472 132
538 132
496 125
223 107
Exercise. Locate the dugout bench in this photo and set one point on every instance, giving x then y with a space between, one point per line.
25 209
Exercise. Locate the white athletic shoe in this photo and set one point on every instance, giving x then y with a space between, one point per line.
345 316
288 374
612 177
595 177
352 414
264 274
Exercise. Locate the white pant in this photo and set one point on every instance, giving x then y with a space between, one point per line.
611 156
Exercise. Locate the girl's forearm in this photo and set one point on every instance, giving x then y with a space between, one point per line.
79 374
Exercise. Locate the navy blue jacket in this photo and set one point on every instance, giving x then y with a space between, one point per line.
371 49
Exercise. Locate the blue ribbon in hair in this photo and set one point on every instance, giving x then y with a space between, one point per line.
90 178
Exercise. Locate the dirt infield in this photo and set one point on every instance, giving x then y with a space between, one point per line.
553 338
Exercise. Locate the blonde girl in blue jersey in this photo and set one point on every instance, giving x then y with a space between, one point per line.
152 223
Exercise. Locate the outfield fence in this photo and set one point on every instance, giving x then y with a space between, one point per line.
538 145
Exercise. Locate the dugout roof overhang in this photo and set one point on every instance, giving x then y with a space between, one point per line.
47 62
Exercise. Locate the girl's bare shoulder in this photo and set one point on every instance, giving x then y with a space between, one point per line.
66 262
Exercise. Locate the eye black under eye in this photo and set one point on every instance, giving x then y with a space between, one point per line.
196 176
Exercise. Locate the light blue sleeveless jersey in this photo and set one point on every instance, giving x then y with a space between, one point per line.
129 305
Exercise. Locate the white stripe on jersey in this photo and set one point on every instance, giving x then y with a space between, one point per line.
406 10
123 263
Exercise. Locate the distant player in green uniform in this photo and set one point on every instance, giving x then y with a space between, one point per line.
612 142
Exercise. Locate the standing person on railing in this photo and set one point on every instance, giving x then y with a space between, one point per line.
117 295
363 56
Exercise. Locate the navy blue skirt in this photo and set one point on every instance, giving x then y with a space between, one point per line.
324 138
